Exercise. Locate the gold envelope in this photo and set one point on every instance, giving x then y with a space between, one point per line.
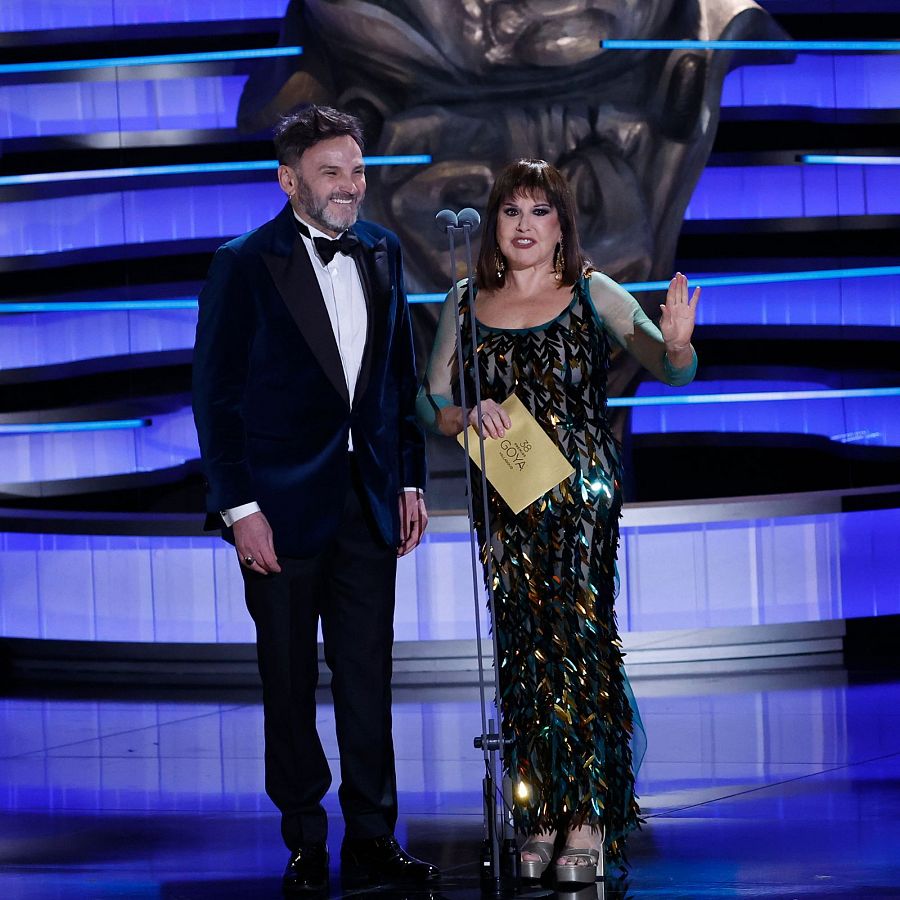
525 463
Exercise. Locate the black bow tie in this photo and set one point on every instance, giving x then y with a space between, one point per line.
344 244
326 248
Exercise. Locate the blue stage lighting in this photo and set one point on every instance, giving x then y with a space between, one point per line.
166 59
637 287
755 397
634 286
824 160
56 427
810 46
419 159
98 305
135 172
257 165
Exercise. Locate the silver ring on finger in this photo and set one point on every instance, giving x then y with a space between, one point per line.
249 560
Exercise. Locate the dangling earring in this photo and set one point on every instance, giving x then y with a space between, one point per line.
499 263
559 263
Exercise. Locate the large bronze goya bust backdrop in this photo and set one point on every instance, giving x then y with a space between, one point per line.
477 83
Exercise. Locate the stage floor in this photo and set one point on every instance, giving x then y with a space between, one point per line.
777 786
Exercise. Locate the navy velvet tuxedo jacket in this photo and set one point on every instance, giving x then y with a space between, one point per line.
270 398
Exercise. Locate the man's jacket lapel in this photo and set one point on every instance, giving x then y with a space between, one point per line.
292 272
372 263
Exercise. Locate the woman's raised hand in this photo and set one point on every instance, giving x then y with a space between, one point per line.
495 420
678 314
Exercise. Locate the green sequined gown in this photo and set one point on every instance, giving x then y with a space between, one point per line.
565 700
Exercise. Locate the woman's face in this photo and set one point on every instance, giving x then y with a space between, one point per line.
528 231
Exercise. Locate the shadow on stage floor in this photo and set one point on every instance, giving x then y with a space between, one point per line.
775 786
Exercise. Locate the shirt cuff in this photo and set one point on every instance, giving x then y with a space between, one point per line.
236 513
419 492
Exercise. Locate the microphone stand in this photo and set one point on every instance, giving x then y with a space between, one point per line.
500 858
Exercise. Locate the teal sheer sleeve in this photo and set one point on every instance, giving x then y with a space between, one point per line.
624 320
437 390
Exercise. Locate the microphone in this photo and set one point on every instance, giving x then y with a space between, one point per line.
470 217
447 219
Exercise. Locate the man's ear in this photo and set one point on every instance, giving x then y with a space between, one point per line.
287 180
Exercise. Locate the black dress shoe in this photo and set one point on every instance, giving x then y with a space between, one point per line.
383 859
307 869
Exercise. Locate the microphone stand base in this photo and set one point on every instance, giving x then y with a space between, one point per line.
508 884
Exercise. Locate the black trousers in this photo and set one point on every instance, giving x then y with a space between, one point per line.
350 586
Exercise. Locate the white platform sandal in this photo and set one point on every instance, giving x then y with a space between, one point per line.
586 869
533 869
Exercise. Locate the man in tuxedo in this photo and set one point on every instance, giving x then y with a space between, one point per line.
304 387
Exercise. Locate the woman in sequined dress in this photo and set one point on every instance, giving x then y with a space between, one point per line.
546 324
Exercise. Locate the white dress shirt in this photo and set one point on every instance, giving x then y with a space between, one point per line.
345 302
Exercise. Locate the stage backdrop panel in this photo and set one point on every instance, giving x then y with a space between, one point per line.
722 572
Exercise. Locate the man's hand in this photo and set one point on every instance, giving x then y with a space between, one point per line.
413 520
253 541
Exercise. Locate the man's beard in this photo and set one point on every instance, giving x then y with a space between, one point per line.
320 214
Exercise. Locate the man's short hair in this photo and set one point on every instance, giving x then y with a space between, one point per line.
295 134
